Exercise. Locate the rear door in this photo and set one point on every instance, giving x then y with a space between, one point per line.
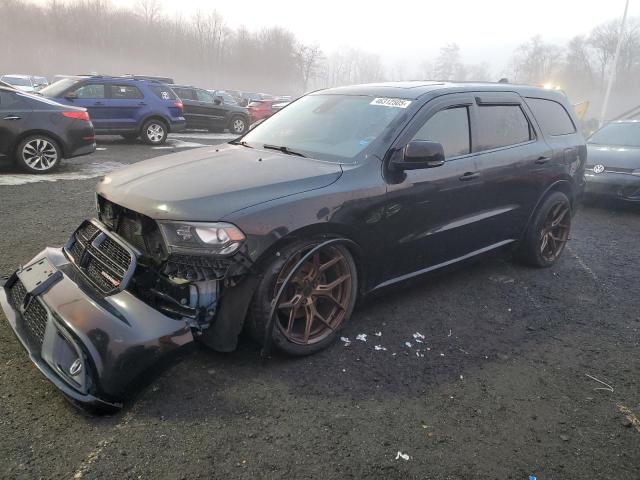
92 96
126 103
213 115
513 157
190 106
14 117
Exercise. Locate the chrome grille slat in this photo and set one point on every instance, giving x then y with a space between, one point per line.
34 316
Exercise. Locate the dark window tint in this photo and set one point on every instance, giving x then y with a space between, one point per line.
204 96
164 92
501 125
552 117
9 100
449 127
624 134
185 93
91 90
125 92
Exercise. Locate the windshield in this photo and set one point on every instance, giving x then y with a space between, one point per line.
624 134
56 88
17 81
327 127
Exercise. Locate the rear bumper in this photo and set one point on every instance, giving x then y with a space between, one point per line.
115 338
83 150
614 185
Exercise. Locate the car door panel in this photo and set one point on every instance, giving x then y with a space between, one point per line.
438 210
92 97
514 174
211 114
126 103
14 117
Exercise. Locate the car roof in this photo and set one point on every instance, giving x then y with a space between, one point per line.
17 75
413 90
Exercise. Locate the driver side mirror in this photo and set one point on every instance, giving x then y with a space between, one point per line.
71 96
419 154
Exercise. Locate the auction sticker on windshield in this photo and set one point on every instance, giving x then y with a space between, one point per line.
391 102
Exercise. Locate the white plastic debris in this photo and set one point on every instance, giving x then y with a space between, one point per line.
418 340
403 456
449 333
442 354
346 341
418 335
380 347
378 334
362 337
407 344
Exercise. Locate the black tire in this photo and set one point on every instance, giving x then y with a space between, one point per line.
260 307
154 132
238 125
543 244
38 154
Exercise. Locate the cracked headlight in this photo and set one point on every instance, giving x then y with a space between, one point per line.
196 238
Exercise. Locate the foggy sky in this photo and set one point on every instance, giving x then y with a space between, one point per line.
412 31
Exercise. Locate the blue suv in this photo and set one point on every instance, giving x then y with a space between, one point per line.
128 106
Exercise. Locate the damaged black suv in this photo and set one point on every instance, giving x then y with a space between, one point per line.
344 192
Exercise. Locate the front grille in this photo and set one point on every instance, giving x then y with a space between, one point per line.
103 260
34 316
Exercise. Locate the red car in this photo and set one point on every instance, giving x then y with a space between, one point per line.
261 109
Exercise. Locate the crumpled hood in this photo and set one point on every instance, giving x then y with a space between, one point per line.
613 156
206 184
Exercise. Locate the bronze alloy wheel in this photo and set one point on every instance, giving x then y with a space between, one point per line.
555 231
315 302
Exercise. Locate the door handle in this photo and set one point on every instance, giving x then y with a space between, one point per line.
142 103
542 160
99 103
11 117
469 176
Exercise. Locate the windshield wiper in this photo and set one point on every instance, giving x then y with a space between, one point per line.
283 149
242 142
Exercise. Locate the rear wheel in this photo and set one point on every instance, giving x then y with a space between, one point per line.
316 304
548 233
38 154
154 132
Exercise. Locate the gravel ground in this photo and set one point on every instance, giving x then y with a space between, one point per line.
499 388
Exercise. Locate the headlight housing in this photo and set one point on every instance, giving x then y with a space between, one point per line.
200 238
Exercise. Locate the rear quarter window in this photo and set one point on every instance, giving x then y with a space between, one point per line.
501 126
163 92
552 116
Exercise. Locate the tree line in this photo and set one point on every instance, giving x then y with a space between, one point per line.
86 36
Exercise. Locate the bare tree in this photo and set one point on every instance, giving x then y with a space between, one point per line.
536 61
309 59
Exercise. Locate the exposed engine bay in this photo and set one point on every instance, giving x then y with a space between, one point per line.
180 285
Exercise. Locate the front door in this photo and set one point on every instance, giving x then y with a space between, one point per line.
213 114
92 96
435 210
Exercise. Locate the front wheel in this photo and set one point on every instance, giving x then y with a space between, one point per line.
316 304
38 154
238 125
154 132
548 233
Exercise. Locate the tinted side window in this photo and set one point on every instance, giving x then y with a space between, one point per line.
500 126
125 92
185 93
449 127
552 117
163 92
204 96
92 90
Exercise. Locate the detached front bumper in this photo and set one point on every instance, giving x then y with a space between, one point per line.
91 347
614 185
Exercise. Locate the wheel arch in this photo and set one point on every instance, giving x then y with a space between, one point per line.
322 231
155 116
39 131
564 185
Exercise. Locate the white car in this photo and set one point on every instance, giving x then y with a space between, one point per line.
20 82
